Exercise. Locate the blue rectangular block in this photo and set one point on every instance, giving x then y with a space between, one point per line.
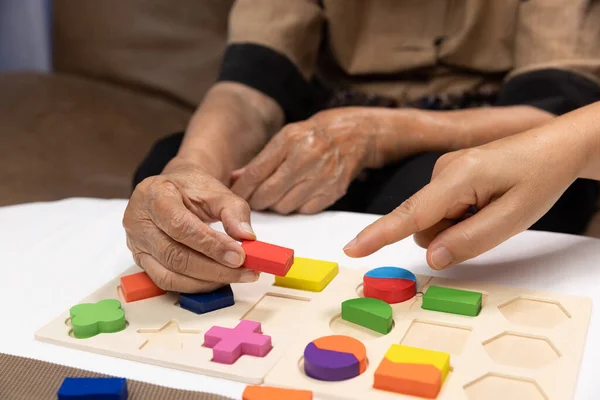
202 303
93 389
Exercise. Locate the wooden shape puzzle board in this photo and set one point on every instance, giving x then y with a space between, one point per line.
523 345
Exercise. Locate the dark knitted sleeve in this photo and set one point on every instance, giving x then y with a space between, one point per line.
271 73
554 90
273 47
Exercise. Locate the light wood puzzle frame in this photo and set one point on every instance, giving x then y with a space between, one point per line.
534 352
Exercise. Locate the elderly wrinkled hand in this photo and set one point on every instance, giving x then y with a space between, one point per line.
166 222
309 165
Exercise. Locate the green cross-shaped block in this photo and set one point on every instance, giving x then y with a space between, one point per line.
91 319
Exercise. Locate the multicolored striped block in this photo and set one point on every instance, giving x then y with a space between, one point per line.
390 284
335 358
412 371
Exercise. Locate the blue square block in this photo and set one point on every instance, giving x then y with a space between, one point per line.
93 389
202 303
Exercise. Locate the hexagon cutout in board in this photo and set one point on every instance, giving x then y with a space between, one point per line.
494 386
521 350
534 312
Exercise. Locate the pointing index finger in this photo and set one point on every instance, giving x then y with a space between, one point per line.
424 209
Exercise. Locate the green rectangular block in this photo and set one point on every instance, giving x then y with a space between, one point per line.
454 301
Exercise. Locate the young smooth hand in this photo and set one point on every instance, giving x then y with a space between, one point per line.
510 183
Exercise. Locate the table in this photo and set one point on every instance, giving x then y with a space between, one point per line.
54 254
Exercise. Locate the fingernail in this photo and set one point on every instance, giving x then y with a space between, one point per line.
233 258
249 276
246 226
441 258
351 244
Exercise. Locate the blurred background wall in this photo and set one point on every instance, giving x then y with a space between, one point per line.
25 35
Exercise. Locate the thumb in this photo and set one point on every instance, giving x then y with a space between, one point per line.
234 213
494 224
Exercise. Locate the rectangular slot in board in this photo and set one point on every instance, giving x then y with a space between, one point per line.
436 336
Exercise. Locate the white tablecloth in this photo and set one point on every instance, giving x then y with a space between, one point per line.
54 254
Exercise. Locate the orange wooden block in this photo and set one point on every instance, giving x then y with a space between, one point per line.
421 380
273 393
139 287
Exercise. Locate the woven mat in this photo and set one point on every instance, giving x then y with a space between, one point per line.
29 379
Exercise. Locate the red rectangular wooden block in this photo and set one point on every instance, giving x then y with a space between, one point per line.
266 257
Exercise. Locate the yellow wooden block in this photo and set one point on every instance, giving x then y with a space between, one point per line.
308 274
398 353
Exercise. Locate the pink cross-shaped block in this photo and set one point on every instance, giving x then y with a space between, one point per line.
230 344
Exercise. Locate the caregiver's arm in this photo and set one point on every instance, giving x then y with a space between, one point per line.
590 127
513 182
